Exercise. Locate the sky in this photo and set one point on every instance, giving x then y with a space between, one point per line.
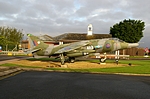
56 17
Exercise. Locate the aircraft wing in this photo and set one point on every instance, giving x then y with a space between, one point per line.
33 51
72 46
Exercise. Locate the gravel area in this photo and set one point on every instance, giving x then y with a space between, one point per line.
77 65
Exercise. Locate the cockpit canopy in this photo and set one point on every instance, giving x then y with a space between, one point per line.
116 39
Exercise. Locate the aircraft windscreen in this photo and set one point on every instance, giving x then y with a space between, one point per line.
121 40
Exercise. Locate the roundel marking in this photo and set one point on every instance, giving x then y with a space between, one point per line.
107 45
38 42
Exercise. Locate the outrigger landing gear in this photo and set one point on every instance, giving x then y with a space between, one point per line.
71 59
117 61
62 59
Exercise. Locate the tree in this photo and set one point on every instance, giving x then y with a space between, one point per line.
130 31
10 36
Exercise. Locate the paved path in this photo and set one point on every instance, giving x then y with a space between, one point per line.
7 59
54 85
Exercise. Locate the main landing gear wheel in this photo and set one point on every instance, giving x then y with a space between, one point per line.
62 59
102 60
71 59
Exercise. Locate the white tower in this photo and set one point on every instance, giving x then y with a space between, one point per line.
90 29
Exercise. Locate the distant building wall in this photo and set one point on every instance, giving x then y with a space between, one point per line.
133 52
24 44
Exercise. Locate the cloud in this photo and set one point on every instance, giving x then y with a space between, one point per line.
54 17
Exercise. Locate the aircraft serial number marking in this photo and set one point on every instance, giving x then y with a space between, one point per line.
90 47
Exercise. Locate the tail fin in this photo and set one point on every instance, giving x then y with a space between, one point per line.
35 43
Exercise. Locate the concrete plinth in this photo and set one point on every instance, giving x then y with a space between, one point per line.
64 66
102 63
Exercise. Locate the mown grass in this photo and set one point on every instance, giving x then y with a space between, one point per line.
131 69
44 59
17 65
137 67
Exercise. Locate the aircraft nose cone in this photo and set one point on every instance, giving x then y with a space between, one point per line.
133 45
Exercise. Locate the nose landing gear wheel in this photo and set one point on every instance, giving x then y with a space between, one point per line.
102 60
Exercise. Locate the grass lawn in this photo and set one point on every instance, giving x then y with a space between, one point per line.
140 67
137 67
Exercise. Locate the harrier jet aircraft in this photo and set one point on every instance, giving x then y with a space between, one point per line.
76 49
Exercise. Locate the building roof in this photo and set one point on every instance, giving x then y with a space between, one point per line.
77 36
46 38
